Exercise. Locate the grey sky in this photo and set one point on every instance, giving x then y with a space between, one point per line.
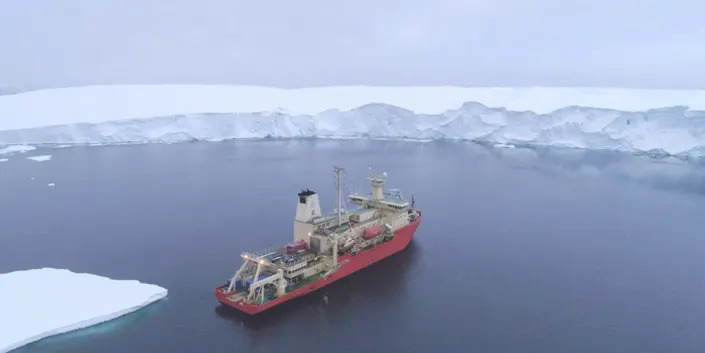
289 43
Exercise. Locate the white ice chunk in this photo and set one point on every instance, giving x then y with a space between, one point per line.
51 184
3 160
16 149
39 303
42 158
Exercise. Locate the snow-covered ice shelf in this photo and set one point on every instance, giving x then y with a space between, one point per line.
39 303
661 121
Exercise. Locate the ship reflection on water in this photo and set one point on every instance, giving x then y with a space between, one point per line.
383 284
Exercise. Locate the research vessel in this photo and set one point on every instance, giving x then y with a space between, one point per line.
325 248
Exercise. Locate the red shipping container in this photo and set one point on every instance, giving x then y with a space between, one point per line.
299 245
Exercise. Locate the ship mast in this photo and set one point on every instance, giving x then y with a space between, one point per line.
339 176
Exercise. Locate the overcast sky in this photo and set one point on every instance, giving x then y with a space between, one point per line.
290 43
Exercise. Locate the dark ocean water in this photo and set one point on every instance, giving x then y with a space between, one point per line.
519 250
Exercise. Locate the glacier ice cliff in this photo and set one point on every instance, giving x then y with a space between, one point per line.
673 130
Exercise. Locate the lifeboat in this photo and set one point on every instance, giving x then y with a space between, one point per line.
371 232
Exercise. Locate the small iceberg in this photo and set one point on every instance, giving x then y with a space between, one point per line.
40 158
504 145
3 160
39 303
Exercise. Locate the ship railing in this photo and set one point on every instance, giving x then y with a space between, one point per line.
260 254
299 270
263 252
396 193
300 259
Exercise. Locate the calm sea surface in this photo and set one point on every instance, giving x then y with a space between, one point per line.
520 250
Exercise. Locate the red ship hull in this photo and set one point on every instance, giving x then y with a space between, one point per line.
402 238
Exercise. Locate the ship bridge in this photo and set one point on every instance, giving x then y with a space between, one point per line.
391 200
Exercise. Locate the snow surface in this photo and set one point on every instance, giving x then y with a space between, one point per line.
42 158
39 303
663 121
